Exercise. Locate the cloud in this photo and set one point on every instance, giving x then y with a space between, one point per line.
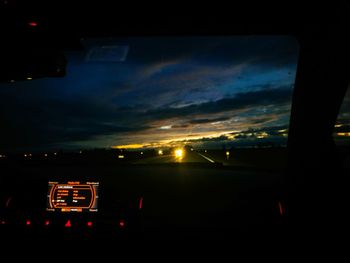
201 121
180 126
181 82
160 66
259 98
276 135
40 122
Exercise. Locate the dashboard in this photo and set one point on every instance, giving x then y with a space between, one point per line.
136 202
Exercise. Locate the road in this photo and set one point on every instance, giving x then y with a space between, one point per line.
188 157
257 158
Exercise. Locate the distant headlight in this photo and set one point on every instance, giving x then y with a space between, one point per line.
179 153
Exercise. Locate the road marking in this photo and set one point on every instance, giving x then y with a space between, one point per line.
207 158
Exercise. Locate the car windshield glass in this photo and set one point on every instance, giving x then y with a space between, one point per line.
157 99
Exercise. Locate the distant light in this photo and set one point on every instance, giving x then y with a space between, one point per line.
0 156
141 203
33 24
121 223
205 150
121 156
227 153
191 149
25 155
80 152
55 153
179 153
47 222
29 78
45 154
30 155
141 153
166 127
3 222
160 152
68 224
28 223
12 81
89 224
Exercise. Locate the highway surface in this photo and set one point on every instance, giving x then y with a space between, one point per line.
187 157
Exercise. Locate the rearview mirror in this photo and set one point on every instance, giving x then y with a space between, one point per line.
31 63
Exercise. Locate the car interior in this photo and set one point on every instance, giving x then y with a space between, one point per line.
120 122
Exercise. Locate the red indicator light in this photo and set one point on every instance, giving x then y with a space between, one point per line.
33 24
28 223
141 203
68 224
280 207
47 222
121 223
89 224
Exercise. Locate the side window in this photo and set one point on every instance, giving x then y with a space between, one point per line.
342 130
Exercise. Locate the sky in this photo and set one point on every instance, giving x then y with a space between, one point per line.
135 93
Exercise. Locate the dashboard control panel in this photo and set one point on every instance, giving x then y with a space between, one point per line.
72 196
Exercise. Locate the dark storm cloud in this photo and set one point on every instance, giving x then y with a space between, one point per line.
269 50
259 120
180 126
243 49
274 134
269 131
274 96
221 138
201 121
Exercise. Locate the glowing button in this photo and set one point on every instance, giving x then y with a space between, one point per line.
33 24
68 224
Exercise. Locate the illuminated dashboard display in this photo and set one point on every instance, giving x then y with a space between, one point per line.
72 196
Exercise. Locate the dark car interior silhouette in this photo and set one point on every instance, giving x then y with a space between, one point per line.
174 124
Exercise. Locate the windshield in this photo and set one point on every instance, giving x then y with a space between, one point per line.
157 99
